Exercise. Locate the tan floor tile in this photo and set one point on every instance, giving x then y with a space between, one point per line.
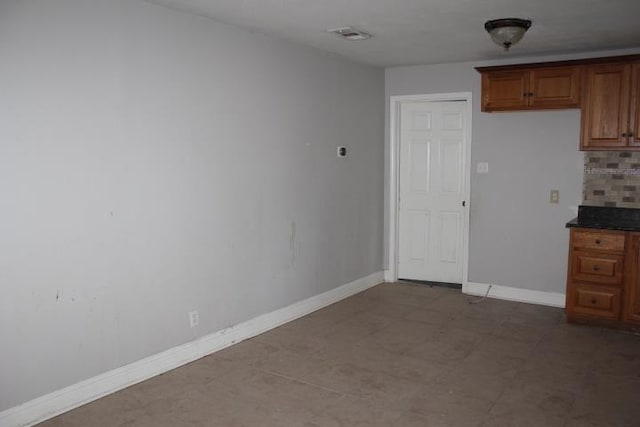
609 399
352 411
361 381
531 405
445 347
396 355
449 408
496 364
430 315
493 345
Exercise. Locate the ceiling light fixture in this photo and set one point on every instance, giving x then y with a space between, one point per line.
350 33
508 31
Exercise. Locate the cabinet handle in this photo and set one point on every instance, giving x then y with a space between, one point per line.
593 301
624 135
630 134
598 242
530 94
596 268
525 94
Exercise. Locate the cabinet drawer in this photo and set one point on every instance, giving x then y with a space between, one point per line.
600 301
595 240
597 267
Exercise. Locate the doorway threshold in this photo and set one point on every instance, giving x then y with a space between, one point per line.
432 284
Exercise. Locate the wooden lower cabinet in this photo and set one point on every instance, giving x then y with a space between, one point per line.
593 300
603 280
600 268
632 288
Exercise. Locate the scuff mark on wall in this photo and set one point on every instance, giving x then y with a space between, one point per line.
292 242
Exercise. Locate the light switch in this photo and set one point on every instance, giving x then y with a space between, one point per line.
482 167
554 196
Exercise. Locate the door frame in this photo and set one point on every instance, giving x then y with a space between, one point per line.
393 163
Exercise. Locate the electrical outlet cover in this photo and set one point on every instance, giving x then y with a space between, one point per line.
194 318
482 167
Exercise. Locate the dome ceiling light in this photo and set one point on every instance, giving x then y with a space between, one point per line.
350 33
507 31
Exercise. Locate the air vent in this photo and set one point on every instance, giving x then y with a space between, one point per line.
350 33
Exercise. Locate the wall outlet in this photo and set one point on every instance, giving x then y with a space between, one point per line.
554 196
194 318
482 167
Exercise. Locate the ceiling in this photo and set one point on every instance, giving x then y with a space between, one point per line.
431 31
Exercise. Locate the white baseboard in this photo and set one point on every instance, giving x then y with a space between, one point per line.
530 296
388 276
78 394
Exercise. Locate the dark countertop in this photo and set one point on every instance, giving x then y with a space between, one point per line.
607 218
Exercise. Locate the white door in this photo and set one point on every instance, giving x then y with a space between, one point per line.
432 189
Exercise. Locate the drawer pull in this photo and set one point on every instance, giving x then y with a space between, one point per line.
598 242
593 301
596 268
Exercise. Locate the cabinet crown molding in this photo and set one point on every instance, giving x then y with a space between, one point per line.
586 61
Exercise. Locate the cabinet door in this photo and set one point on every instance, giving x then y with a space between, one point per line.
505 90
605 108
557 87
632 282
594 301
602 268
634 138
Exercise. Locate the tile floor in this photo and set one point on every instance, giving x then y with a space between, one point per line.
397 355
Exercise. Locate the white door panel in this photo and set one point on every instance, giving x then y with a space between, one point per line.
452 173
449 234
419 226
420 159
432 171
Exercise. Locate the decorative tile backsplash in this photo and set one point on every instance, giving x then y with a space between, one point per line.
611 178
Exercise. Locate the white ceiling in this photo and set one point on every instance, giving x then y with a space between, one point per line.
431 31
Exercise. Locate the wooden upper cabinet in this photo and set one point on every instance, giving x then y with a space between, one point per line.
605 108
607 90
504 90
557 87
634 110
531 89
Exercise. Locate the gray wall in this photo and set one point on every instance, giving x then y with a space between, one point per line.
153 163
517 238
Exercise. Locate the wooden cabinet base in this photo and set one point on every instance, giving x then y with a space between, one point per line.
603 278
606 323
594 300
